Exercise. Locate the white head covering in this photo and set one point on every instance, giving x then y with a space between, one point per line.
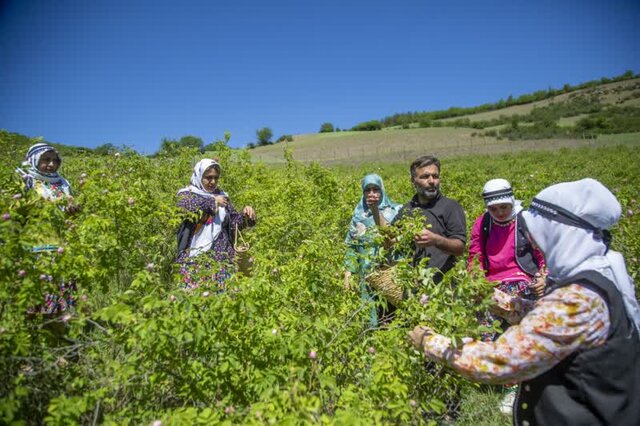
567 221
196 178
499 191
203 239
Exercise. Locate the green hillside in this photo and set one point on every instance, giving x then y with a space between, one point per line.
599 114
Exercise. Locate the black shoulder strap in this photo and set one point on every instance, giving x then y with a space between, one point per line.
486 229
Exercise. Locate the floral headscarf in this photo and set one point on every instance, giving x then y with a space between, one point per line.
32 174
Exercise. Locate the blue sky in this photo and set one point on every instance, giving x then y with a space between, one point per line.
133 72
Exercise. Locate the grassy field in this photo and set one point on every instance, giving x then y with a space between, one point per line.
397 146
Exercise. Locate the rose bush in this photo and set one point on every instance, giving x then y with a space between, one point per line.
287 344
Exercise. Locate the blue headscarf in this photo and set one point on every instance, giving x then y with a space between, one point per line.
362 218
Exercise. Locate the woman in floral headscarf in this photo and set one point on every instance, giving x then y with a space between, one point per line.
374 209
40 174
211 234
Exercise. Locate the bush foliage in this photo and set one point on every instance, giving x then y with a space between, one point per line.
287 344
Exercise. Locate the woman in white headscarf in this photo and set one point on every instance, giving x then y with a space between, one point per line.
576 350
212 233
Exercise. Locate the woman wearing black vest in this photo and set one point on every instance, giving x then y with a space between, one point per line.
576 350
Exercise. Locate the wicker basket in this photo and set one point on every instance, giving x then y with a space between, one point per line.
243 260
384 282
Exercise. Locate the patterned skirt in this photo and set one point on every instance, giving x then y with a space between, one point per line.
520 289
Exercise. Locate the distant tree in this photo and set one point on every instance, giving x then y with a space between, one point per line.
288 138
326 128
251 145
190 142
368 126
105 149
264 136
172 147
218 143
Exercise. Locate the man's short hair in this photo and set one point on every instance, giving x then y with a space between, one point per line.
424 161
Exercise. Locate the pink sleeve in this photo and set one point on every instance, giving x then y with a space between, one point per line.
537 254
475 245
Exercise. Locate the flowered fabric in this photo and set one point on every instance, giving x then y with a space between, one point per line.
50 191
214 266
362 249
47 185
208 229
569 319
55 304
362 232
513 289
50 186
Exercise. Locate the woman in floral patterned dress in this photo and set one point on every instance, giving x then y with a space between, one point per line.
206 236
374 209
40 174
576 350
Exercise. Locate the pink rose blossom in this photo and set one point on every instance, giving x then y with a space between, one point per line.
372 350
313 355
424 299
60 250
157 423
413 403
22 273
6 216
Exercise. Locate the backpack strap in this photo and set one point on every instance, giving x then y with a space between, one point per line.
486 229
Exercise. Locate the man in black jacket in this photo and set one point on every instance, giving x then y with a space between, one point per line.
444 235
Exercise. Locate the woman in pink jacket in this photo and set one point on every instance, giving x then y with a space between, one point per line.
500 246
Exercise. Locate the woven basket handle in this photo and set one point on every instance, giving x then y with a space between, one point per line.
235 240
